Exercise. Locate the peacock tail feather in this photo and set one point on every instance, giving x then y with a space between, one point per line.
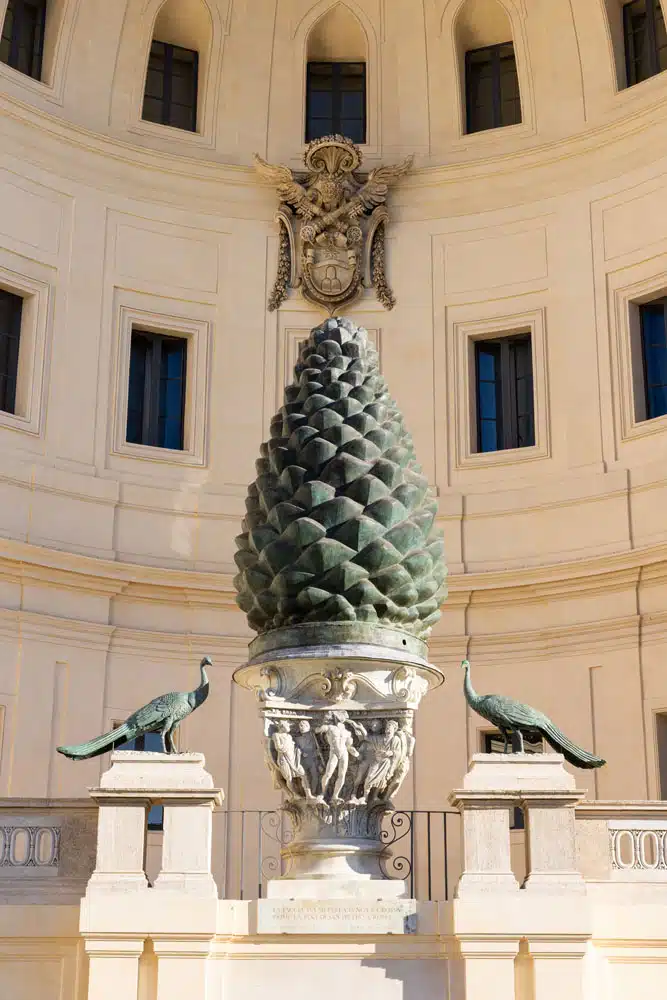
93 748
573 754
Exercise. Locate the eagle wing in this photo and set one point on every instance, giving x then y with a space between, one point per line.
374 191
289 190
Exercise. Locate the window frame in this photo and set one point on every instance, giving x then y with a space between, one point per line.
167 83
35 289
336 115
642 307
37 53
465 323
13 333
660 745
139 310
494 50
628 288
151 388
507 416
651 39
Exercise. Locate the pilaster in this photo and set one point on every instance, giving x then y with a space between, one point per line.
182 967
113 967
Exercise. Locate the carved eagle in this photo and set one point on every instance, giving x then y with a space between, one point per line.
289 191
374 191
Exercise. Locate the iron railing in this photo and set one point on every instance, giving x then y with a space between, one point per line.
421 847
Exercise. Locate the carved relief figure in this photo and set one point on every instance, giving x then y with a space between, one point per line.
340 227
283 757
382 754
338 739
310 756
370 738
402 764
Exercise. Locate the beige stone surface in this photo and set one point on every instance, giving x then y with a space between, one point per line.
116 561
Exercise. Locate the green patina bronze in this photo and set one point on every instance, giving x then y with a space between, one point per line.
162 715
340 524
513 717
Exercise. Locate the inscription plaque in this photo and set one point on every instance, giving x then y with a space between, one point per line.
313 916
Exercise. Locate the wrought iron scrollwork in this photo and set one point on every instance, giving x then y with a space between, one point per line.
398 826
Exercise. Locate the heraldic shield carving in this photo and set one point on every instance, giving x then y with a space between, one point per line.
332 225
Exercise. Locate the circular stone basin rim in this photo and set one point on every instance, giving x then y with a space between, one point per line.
339 635
365 652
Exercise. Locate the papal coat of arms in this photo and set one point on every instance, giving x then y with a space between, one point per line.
332 225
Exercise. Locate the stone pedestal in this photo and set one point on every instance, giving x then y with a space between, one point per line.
119 911
537 783
338 732
135 782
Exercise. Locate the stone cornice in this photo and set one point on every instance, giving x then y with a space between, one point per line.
23 562
227 650
591 637
553 162
622 809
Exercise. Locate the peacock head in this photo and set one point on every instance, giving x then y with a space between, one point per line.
207 662
465 664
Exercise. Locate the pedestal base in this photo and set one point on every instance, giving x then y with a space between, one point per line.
336 888
331 858
473 885
550 882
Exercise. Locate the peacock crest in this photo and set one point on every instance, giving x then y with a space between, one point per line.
340 523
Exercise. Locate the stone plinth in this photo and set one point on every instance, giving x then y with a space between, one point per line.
135 782
118 911
540 785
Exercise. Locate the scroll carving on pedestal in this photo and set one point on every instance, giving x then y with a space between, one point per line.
332 225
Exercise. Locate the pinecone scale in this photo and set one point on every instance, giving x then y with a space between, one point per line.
340 522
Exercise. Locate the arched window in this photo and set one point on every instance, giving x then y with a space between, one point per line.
490 79
177 63
22 40
336 76
645 39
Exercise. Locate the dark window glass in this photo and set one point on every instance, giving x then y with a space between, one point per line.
156 392
22 40
654 350
336 100
661 727
170 95
494 743
504 377
492 88
645 40
11 307
153 743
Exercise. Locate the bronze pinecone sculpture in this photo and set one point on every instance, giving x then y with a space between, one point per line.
340 520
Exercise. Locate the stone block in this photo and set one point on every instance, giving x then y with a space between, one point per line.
494 772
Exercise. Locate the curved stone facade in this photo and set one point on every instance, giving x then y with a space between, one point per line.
116 559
